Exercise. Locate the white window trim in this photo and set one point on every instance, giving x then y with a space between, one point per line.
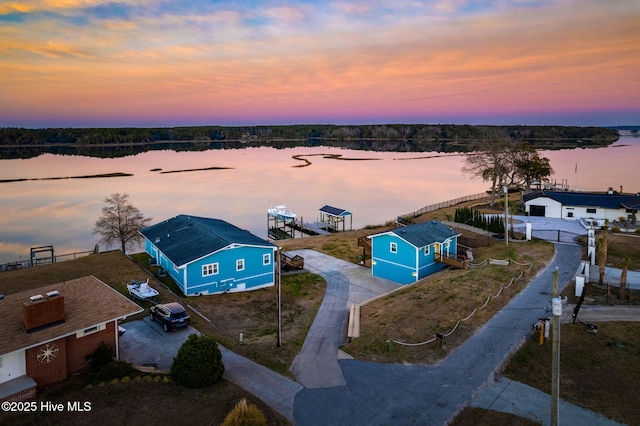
427 250
239 265
266 259
214 269
393 247
91 330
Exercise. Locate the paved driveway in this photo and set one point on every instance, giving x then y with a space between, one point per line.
317 366
417 394
145 343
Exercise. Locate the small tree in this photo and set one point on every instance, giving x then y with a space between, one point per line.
120 221
245 414
602 258
623 278
198 362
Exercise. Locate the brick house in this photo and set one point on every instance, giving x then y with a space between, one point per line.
51 332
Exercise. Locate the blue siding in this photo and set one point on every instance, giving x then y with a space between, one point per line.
427 264
409 260
255 274
398 267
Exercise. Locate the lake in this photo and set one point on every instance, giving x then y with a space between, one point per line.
375 187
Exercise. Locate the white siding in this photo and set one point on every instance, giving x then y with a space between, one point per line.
12 366
552 207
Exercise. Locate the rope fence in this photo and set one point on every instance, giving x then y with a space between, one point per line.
441 336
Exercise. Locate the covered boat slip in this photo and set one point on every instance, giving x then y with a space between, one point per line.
333 217
283 224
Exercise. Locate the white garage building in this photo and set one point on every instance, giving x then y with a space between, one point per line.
582 205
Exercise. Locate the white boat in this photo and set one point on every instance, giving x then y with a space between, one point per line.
141 290
281 212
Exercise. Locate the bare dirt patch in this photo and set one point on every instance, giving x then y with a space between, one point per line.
255 315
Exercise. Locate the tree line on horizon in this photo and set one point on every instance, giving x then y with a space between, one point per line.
115 142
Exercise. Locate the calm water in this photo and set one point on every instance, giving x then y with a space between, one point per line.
375 190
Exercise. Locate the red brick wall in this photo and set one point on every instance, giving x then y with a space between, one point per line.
23 395
71 356
79 348
46 373
49 310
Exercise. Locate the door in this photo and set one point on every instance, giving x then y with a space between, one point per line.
537 211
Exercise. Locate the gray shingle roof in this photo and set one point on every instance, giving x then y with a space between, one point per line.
184 239
423 234
588 199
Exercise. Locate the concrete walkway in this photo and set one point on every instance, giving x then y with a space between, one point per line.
275 390
516 398
317 366
612 277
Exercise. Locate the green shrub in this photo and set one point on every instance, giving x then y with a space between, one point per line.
198 363
245 414
115 370
101 357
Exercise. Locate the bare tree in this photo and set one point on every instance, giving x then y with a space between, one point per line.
120 221
490 162
502 162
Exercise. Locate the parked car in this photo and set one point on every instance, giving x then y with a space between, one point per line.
171 315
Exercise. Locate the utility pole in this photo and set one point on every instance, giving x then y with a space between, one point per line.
506 214
556 304
279 284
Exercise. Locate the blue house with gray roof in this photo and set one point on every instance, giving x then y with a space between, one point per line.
410 253
209 256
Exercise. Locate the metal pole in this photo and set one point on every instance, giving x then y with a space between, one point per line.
506 215
556 304
279 281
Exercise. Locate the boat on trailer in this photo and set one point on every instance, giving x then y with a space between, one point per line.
141 290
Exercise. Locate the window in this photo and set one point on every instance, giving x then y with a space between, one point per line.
209 269
427 250
266 259
569 214
591 210
393 247
240 265
91 330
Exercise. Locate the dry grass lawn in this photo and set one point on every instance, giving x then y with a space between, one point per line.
413 314
418 312
597 371
140 403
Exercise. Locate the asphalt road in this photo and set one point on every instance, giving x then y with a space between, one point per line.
395 394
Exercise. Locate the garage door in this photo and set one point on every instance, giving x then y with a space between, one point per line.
537 210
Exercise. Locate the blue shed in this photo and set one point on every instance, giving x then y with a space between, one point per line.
209 256
410 253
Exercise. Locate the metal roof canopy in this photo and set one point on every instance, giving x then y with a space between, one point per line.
334 211
332 216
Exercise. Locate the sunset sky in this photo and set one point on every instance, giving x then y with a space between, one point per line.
89 63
